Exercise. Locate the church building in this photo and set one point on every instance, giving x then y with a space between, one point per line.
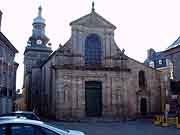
88 76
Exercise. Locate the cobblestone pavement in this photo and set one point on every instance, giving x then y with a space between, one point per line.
139 127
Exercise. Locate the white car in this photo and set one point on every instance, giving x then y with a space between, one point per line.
26 114
19 126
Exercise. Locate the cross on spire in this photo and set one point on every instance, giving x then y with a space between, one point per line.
93 9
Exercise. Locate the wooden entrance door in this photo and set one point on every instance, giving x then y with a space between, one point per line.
143 106
93 95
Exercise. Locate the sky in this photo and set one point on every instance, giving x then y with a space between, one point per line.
141 24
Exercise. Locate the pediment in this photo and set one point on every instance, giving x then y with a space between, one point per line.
93 20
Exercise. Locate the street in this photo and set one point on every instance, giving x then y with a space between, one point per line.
139 127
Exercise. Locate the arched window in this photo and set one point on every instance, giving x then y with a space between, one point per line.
93 50
142 79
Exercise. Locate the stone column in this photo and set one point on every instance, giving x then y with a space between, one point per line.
113 96
53 91
125 97
74 96
108 97
74 41
108 45
0 19
77 35
60 99
80 98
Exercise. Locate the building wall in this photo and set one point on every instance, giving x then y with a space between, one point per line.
8 68
63 91
120 91
153 87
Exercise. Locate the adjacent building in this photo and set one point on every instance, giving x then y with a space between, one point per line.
173 54
159 60
88 76
168 61
8 68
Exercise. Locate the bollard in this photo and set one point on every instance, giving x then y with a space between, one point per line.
157 120
165 122
177 122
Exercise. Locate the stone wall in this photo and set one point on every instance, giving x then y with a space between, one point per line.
153 87
120 95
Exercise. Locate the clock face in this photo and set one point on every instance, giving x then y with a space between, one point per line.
38 42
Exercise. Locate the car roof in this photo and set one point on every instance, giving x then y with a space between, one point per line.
19 120
29 115
30 122
25 112
9 117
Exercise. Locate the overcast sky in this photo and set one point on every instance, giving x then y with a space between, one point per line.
141 24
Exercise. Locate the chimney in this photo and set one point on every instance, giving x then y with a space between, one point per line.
0 19
150 53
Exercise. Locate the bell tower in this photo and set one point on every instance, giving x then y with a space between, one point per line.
36 52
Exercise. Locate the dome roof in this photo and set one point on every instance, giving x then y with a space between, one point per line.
39 18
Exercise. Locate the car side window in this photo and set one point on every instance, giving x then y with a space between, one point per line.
22 129
48 132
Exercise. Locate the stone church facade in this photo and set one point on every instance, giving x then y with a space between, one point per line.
89 76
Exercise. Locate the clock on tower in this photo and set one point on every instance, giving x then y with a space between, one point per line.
38 41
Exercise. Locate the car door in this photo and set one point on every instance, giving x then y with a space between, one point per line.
27 129
3 130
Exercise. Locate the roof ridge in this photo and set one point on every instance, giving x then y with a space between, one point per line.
174 44
8 43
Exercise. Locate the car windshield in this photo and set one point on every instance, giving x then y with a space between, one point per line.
28 116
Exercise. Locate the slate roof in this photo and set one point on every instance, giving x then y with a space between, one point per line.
158 55
7 42
155 56
93 20
175 44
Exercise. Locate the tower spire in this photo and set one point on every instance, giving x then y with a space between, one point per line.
93 9
40 11
39 19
